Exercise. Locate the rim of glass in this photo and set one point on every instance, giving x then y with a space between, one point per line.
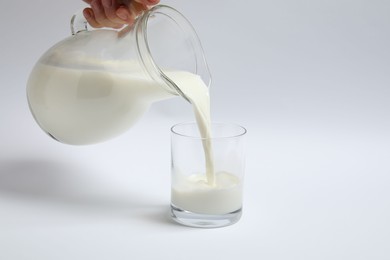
242 130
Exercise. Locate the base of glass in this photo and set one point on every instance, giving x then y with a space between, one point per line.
188 218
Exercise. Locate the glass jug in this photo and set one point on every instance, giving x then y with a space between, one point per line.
95 84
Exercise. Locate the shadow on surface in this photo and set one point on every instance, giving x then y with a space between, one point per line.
57 184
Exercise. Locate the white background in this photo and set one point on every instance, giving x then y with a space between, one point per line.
309 79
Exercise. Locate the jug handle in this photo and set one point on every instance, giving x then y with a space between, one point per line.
78 23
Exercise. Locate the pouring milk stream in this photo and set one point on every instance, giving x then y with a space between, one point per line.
82 96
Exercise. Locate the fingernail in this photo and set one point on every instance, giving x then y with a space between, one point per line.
123 15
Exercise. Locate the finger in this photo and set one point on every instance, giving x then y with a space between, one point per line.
100 15
125 14
98 11
147 2
110 7
132 11
136 8
87 1
89 15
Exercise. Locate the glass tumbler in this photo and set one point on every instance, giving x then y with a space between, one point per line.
204 196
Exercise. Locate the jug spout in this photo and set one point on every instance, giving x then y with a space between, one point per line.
167 41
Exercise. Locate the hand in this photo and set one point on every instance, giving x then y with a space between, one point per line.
115 13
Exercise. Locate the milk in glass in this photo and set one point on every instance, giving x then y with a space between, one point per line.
210 192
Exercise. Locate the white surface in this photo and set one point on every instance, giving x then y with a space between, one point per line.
313 82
